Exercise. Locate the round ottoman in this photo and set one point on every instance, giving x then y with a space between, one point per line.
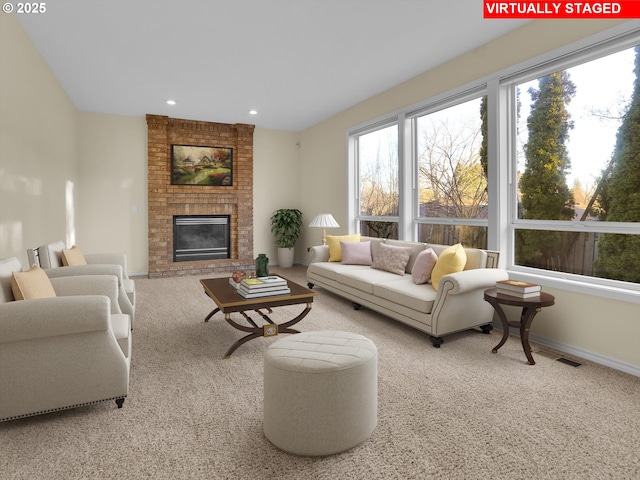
320 392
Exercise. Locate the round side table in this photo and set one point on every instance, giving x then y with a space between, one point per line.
530 307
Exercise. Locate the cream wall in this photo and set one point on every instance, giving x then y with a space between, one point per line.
37 148
594 327
275 183
112 166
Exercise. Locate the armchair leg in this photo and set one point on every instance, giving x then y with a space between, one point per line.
437 341
119 402
310 285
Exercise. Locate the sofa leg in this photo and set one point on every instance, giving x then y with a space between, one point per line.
310 285
486 328
437 341
119 402
356 306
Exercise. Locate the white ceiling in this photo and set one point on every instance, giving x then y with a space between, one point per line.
295 61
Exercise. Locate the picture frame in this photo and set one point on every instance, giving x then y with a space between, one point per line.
201 165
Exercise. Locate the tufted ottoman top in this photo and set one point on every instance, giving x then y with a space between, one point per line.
319 352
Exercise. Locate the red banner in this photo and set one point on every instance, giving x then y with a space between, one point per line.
561 9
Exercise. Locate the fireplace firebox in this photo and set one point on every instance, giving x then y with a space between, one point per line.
200 237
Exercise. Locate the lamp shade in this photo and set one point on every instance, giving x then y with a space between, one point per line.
324 220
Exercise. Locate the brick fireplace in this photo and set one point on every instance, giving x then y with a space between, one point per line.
166 200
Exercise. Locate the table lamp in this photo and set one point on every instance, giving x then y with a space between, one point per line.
324 220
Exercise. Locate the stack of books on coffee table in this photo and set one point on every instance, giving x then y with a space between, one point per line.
263 287
518 289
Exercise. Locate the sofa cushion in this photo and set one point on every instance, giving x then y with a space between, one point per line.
73 256
415 247
365 278
31 284
451 260
405 292
335 251
423 266
331 270
356 253
391 259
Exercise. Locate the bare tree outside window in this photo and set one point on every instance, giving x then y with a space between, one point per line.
379 182
452 180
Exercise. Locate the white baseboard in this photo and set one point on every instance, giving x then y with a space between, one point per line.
580 353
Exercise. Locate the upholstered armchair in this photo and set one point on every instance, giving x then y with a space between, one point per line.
67 349
51 257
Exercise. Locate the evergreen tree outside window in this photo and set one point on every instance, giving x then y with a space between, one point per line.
570 170
619 255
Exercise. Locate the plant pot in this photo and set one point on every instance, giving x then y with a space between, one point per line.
285 257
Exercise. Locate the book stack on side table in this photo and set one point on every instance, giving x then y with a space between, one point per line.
263 287
518 289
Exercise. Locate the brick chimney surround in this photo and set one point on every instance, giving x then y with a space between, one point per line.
166 200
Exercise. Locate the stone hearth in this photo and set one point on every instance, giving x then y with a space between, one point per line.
166 200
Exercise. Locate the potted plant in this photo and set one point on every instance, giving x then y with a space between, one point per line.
286 227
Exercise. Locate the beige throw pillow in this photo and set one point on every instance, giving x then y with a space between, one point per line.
391 259
73 256
31 284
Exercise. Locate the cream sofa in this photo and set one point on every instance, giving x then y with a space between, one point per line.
457 305
62 352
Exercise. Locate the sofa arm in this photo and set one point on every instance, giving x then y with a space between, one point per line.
50 317
76 270
108 259
106 285
469 280
319 253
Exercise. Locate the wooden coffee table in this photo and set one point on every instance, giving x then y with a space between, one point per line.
228 301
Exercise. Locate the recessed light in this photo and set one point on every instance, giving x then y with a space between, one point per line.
253 112
171 102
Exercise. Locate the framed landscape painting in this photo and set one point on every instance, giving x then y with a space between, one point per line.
197 165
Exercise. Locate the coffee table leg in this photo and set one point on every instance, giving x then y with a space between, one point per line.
254 332
213 312
284 328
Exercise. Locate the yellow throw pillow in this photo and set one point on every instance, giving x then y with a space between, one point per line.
335 250
451 260
31 284
72 256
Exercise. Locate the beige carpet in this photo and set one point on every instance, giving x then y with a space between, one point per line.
454 412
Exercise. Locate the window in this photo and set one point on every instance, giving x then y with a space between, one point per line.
550 177
451 172
576 205
378 182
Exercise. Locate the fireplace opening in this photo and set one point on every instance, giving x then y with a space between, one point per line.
200 237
